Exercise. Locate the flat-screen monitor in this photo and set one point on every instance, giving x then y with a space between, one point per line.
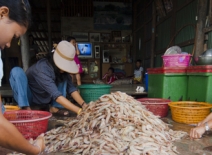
85 49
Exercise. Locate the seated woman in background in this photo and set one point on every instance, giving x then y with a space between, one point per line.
112 78
138 72
108 78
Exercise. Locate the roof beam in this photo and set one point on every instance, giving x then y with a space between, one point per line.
44 10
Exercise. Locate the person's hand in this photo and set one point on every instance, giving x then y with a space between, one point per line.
76 46
197 132
208 118
201 123
40 143
84 106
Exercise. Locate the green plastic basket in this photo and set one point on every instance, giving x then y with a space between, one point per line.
92 92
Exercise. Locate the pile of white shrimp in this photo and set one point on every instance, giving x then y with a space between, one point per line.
114 124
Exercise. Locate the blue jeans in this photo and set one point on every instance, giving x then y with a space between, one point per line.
21 91
2 108
62 88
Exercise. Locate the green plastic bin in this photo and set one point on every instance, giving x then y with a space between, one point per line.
168 82
200 83
92 92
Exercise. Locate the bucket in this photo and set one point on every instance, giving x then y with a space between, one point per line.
176 60
158 106
146 82
189 112
31 123
92 92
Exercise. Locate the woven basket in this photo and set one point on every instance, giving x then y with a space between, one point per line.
31 123
10 108
189 112
92 92
158 106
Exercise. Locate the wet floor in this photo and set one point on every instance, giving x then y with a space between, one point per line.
185 146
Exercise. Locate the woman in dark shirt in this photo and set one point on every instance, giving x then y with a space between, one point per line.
48 81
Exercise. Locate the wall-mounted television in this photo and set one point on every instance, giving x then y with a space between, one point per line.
85 49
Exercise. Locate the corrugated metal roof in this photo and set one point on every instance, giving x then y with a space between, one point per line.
186 16
163 35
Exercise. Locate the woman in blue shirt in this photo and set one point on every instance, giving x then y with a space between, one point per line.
48 82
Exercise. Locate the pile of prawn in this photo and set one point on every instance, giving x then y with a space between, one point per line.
115 124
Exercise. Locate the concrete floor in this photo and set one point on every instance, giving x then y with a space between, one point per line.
185 146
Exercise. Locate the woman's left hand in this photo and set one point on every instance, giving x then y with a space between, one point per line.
197 132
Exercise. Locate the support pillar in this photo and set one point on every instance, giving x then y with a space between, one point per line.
25 55
200 35
49 25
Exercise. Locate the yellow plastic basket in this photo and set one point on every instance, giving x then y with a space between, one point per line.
11 108
189 112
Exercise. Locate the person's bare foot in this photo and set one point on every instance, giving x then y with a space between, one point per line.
26 108
55 110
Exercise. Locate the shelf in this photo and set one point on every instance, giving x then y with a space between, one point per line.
91 69
117 63
116 46
115 43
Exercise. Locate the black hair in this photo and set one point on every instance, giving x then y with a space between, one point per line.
60 77
139 60
112 69
19 11
31 36
69 38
